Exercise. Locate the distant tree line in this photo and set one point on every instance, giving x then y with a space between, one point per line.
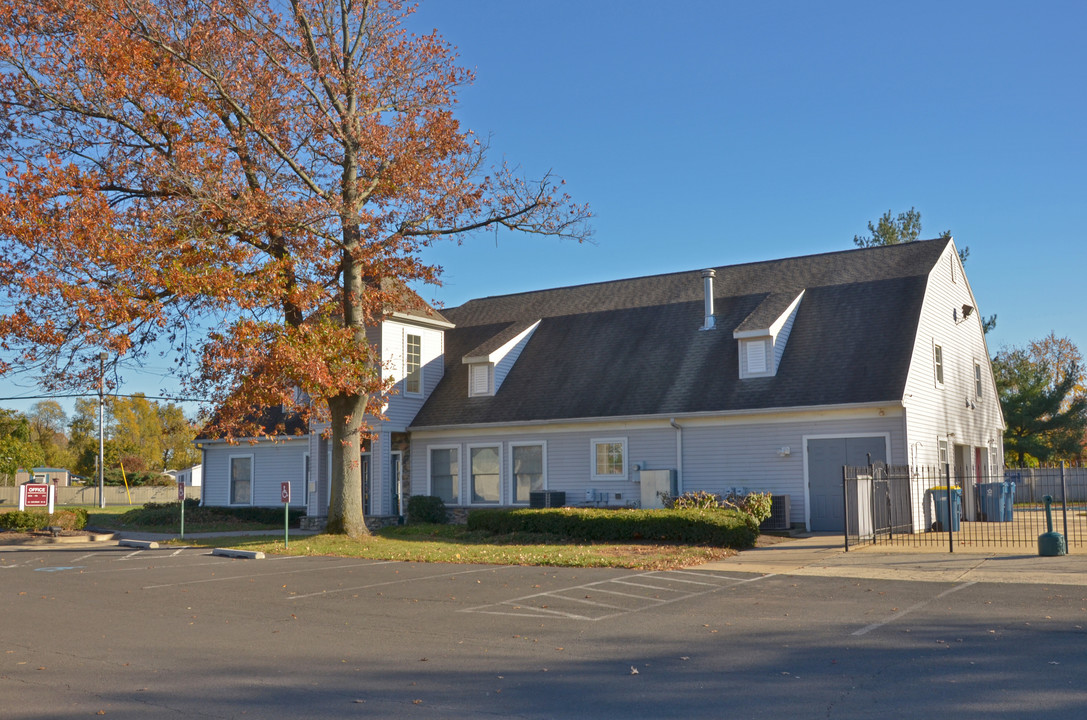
144 437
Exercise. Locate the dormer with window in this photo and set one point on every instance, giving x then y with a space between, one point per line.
763 334
489 363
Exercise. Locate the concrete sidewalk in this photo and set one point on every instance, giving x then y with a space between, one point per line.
824 555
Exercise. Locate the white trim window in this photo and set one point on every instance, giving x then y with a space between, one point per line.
528 470
609 458
977 379
443 471
941 443
479 379
485 474
413 364
938 363
241 479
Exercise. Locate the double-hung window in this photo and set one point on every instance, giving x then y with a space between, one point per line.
609 458
527 463
413 365
445 474
485 481
241 479
977 379
938 362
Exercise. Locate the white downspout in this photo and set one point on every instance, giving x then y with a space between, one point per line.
679 456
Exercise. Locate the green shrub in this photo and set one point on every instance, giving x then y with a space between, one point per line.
28 520
716 527
426 509
169 514
755 504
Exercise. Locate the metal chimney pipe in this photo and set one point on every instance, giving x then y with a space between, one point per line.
707 283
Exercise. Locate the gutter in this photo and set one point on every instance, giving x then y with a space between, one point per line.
679 455
656 416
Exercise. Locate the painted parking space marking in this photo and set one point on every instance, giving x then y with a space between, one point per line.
614 597
913 608
230 578
400 581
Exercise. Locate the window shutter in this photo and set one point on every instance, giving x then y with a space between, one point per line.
480 380
756 356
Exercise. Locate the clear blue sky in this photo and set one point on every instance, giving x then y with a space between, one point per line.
713 133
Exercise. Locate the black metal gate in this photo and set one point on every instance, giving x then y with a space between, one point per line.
968 507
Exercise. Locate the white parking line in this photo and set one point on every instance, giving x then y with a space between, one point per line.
257 575
875 626
534 605
397 582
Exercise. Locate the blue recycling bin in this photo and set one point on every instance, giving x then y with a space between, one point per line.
939 507
1009 499
991 498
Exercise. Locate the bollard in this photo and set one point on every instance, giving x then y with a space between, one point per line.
1050 543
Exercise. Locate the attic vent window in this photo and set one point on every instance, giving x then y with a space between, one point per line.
756 356
479 379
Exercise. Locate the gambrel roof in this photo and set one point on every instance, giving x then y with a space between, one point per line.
633 347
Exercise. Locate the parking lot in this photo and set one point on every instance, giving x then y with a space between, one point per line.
179 632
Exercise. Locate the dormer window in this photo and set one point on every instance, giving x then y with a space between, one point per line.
755 354
763 334
479 379
490 363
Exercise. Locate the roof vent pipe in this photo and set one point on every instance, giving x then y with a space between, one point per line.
707 283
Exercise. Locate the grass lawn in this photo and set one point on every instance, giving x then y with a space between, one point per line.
456 544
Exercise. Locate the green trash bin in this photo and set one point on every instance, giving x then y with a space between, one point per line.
939 508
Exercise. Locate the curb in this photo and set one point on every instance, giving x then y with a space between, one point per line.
244 554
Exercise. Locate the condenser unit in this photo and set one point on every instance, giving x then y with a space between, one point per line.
780 514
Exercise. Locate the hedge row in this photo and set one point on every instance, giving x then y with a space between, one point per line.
719 528
168 514
27 520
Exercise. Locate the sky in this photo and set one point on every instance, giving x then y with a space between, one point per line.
712 133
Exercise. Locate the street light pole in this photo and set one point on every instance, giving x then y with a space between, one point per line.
101 430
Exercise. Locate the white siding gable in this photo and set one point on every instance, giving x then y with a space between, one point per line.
952 413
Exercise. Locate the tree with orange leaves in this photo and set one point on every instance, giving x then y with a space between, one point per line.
250 180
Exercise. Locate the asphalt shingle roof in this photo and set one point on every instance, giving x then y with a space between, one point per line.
633 347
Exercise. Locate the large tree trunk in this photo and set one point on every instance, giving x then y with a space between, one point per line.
345 513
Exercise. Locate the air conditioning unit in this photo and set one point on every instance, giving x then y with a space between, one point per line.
547 499
780 514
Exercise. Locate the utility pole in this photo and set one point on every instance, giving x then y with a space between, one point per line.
101 429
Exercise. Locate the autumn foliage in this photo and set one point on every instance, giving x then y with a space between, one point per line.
249 183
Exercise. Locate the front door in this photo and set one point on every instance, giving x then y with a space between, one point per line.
826 457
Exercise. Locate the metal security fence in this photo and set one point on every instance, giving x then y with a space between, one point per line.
966 507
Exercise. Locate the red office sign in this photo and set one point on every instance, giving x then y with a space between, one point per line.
36 495
285 492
